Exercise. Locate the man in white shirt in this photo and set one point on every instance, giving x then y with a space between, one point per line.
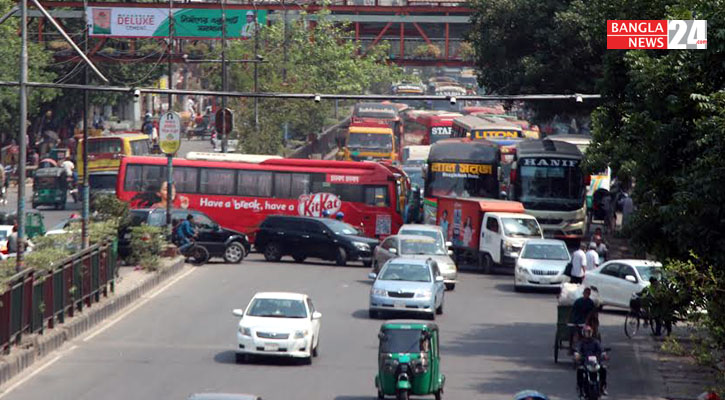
578 264
592 257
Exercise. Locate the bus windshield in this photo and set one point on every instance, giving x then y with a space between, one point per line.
481 183
108 145
440 132
544 187
375 141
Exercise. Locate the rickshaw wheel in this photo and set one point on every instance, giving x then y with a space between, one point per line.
437 394
403 395
381 396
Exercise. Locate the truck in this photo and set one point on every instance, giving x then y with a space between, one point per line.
486 232
369 139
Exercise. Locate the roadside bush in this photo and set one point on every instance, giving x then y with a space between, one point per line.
147 242
109 206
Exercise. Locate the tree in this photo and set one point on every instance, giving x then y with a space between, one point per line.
320 59
38 62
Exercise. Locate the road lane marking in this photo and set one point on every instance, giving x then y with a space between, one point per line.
35 372
138 305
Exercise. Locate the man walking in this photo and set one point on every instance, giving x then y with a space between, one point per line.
592 257
578 264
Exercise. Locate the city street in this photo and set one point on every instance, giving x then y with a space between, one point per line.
495 342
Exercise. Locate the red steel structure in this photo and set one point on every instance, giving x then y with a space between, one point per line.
410 26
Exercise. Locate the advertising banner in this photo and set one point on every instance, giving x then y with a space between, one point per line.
191 23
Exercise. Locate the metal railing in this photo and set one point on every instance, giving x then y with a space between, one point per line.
322 144
36 299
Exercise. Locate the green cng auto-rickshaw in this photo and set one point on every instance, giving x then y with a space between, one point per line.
50 187
409 360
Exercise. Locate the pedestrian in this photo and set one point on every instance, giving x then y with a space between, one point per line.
602 249
13 240
608 211
69 168
592 257
627 208
578 264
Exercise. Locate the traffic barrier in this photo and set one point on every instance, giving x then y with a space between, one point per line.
35 299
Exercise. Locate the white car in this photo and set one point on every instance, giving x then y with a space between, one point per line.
541 264
618 280
5 232
278 324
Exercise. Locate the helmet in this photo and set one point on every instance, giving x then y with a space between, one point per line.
340 215
325 213
530 395
587 331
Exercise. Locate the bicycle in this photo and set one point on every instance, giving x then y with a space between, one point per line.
636 317
196 253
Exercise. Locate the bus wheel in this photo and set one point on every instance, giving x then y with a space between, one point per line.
341 258
272 252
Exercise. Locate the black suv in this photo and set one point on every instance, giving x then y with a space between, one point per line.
231 245
302 237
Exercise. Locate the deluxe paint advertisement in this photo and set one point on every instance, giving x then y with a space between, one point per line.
141 22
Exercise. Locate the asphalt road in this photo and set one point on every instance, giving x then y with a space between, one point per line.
495 342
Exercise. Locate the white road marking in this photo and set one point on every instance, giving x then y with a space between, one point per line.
136 306
35 372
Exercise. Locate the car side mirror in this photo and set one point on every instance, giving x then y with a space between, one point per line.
217 227
449 244
394 250
382 336
238 312
439 278
316 315
630 278
372 275
450 252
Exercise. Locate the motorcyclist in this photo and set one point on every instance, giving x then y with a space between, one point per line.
530 395
590 346
582 312
339 215
186 232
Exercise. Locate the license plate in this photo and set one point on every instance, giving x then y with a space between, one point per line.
545 280
399 304
271 347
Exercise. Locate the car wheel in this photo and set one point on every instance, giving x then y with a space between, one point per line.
450 286
487 263
341 258
314 349
373 314
234 253
272 252
299 258
439 310
367 264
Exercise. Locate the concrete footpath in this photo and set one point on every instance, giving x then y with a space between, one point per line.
131 285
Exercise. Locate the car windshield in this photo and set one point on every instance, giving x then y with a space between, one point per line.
545 252
339 227
521 227
3 235
98 181
400 341
406 272
277 308
415 174
649 271
421 246
431 234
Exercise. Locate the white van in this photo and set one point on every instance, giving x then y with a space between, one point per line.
502 237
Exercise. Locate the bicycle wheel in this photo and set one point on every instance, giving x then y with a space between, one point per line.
631 325
199 255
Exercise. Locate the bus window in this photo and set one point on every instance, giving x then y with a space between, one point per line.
140 178
185 179
254 184
109 145
291 186
377 196
217 181
140 147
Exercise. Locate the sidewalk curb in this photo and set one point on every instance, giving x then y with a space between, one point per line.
41 345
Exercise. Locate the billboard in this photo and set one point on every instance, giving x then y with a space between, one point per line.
188 23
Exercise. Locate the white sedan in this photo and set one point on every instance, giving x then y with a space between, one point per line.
618 280
278 324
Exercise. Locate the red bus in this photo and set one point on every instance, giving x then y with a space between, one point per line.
239 195
424 127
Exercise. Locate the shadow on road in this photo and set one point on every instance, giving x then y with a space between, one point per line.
355 397
229 357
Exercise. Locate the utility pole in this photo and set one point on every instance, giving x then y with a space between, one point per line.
169 157
225 83
85 241
20 258
256 72
284 44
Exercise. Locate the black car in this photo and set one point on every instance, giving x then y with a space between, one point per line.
302 237
231 245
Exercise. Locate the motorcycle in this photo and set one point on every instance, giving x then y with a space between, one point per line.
590 369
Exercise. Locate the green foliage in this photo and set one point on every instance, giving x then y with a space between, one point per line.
146 244
319 60
109 206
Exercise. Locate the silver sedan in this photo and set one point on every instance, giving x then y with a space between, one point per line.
407 285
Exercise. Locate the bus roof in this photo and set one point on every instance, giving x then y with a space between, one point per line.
473 123
234 157
547 147
450 89
464 149
370 129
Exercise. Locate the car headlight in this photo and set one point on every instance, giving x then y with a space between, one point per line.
361 245
423 294
379 292
449 267
300 334
523 270
245 331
